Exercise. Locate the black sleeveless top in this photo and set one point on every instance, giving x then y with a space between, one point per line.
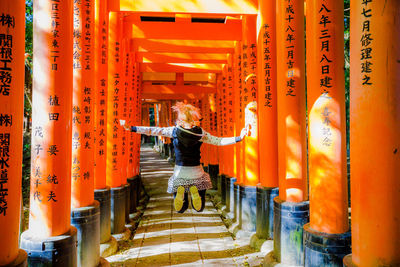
187 146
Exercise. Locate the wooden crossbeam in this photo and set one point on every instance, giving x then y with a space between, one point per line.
149 57
183 46
173 96
181 68
148 88
231 30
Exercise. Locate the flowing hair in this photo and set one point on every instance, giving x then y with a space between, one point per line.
187 114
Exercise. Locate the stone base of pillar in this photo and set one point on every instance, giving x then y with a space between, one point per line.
117 210
237 205
60 251
289 219
133 193
205 168
248 200
139 190
230 197
322 249
265 211
21 260
103 196
87 222
348 261
213 170
127 201
222 188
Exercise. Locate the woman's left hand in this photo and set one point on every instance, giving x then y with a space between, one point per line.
243 133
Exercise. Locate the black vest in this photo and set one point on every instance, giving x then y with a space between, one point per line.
187 146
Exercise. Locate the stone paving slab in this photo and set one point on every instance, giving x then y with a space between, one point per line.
167 238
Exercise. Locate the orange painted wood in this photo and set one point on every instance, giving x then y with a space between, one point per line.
12 72
374 132
251 163
191 6
151 57
267 100
177 89
132 113
230 118
50 200
82 175
183 46
115 85
229 31
101 83
327 118
123 111
156 96
239 111
291 101
181 67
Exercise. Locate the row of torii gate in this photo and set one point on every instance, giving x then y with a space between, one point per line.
95 61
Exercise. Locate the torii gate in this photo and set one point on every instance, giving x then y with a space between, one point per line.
88 63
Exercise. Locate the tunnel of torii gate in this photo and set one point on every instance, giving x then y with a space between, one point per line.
243 63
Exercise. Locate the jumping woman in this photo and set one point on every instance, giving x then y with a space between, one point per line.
188 137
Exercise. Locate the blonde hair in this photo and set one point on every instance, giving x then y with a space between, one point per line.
188 115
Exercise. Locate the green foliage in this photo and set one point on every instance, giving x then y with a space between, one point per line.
28 26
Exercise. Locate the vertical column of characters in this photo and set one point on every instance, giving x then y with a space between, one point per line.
267 102
123 109
101 85
249 54
239 114
206 116
131 112
291 101
139 115
230 123
221 119
12 46
114 88
50 201
83 105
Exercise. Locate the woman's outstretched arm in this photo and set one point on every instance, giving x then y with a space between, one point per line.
222 141
153 131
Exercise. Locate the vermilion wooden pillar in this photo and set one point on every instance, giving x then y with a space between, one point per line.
239 114
102 192
267 116
85 213
249 82
12 45
292 160
250 152
229 126
114 87
83 106
374 133
329 220
101 85
114 178
50 201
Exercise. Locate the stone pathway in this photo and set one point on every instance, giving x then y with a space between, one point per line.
167 238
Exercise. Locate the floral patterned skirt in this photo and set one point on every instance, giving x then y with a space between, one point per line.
188 176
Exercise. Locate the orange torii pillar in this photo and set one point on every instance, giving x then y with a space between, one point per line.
221 117
229 130
204 149
132 177
327 238
239 122
291 207
115 87
213 166
267 190
102 192
248 187
123 111
50 238
85 213
12 45
374 133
